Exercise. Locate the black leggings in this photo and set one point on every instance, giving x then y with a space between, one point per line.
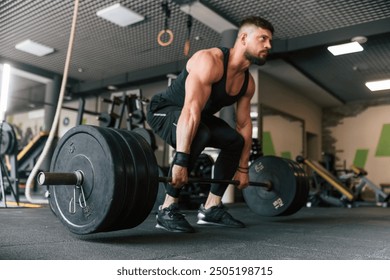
212 132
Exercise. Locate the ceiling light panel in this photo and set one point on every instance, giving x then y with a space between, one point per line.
34 48
378 85
120 15
345 48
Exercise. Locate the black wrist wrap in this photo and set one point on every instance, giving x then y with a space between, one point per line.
181 159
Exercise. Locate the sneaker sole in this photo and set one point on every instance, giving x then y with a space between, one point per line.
202 222
173 230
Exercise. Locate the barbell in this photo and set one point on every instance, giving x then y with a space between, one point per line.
105 179
76 178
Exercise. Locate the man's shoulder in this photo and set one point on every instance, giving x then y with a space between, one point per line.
215 53
207 63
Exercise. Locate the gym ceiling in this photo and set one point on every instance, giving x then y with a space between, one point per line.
106 54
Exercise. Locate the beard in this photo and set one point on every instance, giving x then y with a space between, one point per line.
255 59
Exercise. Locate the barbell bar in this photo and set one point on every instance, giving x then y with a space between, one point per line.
116 180
76 178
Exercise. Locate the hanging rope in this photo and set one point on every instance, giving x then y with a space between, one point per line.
166 31
54 127
187 43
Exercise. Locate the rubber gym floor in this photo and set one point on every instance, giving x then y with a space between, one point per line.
327 233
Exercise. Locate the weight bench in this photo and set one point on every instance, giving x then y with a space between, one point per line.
347 196
360 173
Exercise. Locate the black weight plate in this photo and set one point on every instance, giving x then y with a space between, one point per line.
136 193
146 171
130 181
302 186
106 120
160 193
277 201
93 151
8 145
301 194
137 117
148 135
120 181
300 183
150 180
305 184
295 202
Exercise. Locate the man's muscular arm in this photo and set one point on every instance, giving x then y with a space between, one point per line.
244 127
204 69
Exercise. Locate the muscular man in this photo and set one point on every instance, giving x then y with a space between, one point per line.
183 116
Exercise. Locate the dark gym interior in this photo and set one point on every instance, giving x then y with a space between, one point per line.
312 113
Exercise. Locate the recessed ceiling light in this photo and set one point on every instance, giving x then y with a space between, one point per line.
345 48
378 85
359 39
34 48
120 15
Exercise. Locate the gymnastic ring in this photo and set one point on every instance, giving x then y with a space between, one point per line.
161 33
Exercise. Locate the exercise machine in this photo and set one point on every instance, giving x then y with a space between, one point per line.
332 190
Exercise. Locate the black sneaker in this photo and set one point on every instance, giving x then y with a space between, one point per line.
171 219
217 215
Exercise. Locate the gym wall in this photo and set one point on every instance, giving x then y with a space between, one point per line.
282 137
359 134
274 94
279 96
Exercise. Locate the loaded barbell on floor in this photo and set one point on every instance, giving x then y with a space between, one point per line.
115 178
76 178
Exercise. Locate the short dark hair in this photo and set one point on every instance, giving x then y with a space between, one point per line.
257 21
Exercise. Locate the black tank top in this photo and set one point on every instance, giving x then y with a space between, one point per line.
219 98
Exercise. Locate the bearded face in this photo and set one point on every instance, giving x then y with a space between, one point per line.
257 42
257 60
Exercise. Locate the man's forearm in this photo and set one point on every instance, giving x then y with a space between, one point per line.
246 132
185 131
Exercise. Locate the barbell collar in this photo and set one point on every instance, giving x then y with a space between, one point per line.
75 178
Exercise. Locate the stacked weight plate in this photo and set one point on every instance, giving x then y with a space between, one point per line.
120 180
289 187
